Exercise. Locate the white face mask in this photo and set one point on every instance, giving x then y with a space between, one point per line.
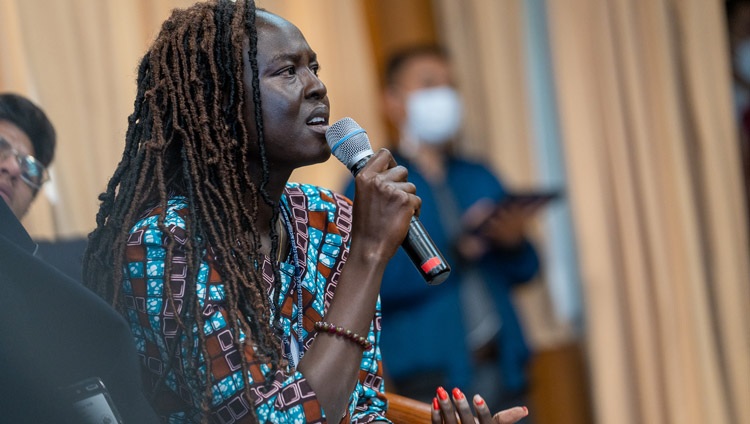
434 115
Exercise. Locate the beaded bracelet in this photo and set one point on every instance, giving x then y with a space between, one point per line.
343 332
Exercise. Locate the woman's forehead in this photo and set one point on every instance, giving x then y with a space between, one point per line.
268 23
264 17
276 35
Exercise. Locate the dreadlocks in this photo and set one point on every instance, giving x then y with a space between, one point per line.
187 137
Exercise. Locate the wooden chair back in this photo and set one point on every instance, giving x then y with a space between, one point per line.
404 410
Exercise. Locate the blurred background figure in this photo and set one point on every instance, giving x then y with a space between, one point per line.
738 26
46 346
464 332
27 146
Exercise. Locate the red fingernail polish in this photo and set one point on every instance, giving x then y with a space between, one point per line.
457 394
478 401
435 404
442 394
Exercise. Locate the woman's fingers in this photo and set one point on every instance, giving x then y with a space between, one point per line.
436 417
444 411
510 416
446 407
462 405
483 411
380 161
384 203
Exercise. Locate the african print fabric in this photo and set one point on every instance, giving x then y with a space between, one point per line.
321 222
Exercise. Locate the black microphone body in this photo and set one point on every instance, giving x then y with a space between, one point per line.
350 144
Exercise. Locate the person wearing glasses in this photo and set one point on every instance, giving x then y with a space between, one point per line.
55 334
27 146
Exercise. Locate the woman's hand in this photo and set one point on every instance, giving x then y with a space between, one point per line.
384 202
457 410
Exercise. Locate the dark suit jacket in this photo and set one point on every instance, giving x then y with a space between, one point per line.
54 332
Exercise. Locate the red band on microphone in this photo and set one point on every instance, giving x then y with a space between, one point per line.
430 264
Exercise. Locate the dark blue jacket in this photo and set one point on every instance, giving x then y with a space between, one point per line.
54 332
422 325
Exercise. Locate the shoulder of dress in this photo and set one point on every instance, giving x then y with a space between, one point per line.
318 196
322 208
176 210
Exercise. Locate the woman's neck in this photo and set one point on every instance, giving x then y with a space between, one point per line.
274 190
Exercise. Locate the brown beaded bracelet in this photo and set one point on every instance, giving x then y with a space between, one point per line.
343 332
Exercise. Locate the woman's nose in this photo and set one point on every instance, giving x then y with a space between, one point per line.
314 86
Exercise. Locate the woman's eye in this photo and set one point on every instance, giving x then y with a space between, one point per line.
289 70
315 68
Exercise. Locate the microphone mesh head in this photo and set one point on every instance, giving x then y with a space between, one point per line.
348 141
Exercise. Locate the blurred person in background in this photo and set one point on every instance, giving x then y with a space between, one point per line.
465 332
45 345
27 146
738 26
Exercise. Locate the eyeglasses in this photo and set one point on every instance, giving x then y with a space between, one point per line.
33 172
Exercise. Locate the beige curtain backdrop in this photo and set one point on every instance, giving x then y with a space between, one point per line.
650 152
654 183
77 59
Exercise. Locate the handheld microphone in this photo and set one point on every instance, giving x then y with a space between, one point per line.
350 144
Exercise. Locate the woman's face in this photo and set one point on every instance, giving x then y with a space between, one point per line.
294 100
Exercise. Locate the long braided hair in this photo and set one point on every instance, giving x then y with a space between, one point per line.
187 136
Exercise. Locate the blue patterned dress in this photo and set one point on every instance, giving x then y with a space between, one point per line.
321 222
